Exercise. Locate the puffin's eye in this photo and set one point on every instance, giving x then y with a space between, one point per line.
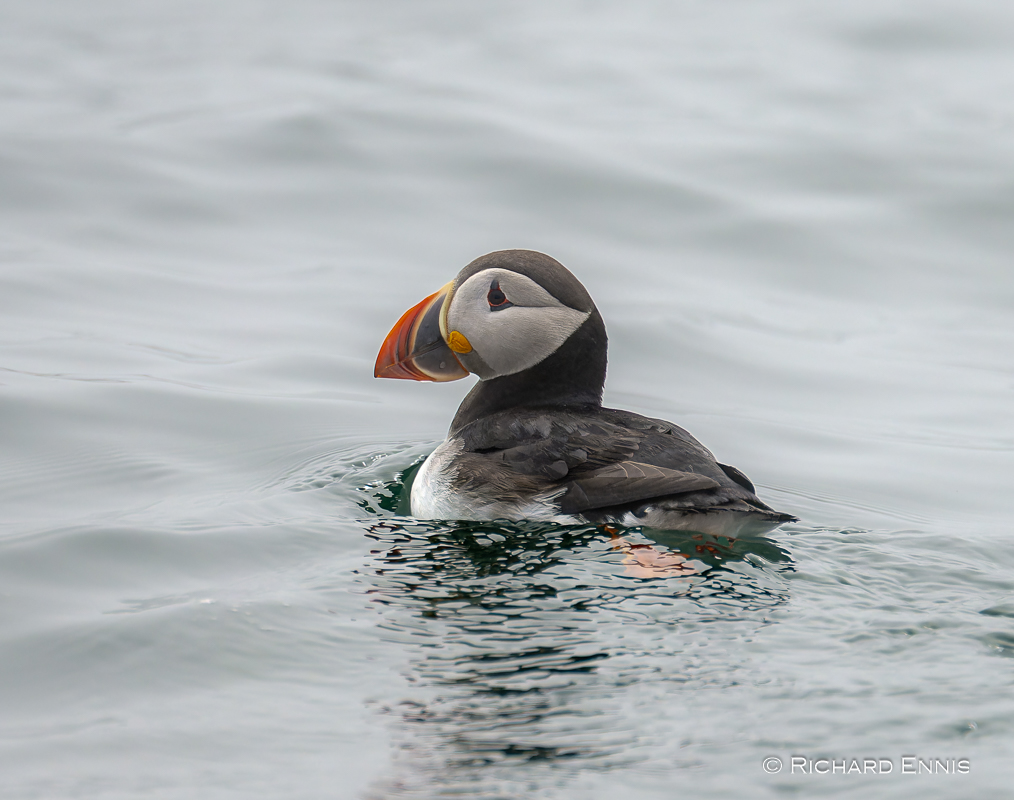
496 298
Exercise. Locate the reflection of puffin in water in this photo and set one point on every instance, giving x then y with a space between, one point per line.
532 440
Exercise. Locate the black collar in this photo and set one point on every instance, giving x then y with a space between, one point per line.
572 376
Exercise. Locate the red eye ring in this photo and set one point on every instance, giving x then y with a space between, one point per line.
496 298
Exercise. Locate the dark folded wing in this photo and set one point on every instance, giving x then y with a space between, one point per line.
599 459
628 482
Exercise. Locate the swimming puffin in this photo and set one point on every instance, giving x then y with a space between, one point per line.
532 440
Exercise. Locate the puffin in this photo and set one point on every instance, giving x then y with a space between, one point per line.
532 440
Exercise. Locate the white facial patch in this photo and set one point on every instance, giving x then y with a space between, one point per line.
514 338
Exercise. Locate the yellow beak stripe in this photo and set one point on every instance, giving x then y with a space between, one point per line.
458 343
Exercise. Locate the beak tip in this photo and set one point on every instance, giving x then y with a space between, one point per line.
396 369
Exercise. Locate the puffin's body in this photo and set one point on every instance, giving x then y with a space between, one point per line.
532 439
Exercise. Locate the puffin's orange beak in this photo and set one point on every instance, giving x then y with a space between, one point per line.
416 349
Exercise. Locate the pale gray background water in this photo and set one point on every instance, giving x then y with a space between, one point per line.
797 219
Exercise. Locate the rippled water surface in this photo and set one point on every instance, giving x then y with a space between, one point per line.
796 219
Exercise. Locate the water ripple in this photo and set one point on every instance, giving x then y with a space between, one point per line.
526 640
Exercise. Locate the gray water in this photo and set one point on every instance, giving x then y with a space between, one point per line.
796 219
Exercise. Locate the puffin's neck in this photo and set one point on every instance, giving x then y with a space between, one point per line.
573 375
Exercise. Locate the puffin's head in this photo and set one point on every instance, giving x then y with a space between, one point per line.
504 313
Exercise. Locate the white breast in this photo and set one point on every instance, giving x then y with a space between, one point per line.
435 495
432 495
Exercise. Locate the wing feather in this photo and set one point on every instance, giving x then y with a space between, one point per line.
628 482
